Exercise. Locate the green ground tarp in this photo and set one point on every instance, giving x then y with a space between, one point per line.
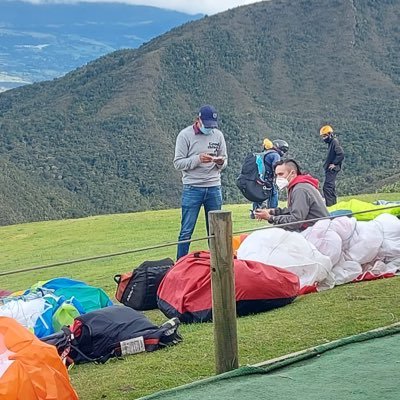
361 367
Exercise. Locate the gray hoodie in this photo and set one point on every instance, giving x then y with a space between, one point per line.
189 146
304 202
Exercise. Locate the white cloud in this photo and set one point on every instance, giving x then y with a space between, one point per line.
6 78
31 46
188 6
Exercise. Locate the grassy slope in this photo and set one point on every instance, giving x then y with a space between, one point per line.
310 320
100 140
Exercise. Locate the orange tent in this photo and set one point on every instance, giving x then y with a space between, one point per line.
29 368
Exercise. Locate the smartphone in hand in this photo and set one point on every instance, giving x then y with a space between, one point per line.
219 160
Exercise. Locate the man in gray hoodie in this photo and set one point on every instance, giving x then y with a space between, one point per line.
304 200
200 153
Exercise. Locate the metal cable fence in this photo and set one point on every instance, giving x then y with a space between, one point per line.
162 245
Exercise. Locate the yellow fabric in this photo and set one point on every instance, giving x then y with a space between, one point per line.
18 293
267 144
355 205
325 130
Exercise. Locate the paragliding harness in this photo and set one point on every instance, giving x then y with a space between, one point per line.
113 331
138 289
254 181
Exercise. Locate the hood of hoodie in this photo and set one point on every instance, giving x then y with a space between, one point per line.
304 179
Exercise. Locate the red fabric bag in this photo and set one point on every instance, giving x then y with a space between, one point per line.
185 291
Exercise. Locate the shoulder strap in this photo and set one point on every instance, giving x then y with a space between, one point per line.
269 151
260 164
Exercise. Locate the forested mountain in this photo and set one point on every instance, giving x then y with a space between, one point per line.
101 139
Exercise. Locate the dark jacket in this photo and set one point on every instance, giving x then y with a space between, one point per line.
335 154
304 202
270 159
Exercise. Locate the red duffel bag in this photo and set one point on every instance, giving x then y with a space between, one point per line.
185 291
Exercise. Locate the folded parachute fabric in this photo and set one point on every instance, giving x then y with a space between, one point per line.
34 313
292 252
43 315
90 297
29 368
359 250
354 205
4 293
49 305
185 291
386 203
331 252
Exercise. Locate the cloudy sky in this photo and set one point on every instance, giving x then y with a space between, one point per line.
188 6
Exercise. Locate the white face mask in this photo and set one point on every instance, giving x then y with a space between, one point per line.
281 182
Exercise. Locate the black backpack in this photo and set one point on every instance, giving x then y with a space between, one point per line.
251 181
138 289
112 332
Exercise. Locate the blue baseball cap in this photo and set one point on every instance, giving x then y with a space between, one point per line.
209 116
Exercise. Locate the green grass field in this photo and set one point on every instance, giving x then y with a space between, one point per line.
310 320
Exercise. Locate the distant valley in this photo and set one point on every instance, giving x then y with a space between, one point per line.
43 42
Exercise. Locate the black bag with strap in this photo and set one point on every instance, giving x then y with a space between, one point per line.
138 289
113 331
251 181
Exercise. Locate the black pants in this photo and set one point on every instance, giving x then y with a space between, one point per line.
329 187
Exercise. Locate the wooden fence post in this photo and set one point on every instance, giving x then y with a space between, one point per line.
223 292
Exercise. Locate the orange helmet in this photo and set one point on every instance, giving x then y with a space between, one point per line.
326 130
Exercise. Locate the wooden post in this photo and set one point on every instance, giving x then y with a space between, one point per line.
223 292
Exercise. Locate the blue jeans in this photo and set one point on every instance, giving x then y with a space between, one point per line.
192 199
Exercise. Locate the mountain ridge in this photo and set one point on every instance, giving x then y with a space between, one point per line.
272 69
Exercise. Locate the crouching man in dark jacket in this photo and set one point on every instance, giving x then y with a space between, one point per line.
304 200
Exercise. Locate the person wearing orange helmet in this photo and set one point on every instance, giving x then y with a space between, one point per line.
332 165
